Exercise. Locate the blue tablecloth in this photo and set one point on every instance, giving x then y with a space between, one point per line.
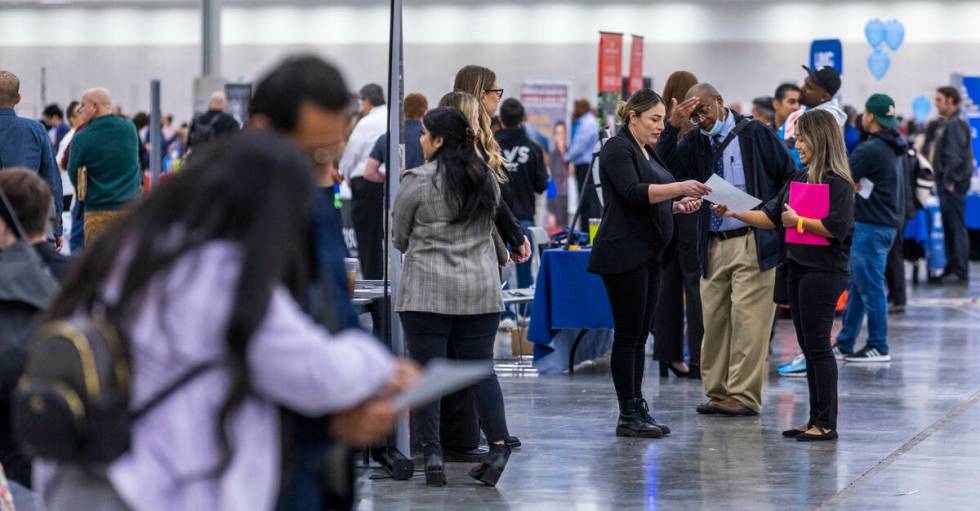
566 297
973 211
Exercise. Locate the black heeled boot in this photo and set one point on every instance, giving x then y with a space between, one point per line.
669 366
435 468
633 424
644 409
493 466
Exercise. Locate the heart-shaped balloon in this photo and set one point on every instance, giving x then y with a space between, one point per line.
874 30
878 63
894 34
920 108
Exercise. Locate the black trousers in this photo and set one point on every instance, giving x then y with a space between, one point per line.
952 205
680 290
589 207
812 301
895 270
633 298
459 424
367 215
429 336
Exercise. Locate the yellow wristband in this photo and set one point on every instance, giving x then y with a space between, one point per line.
799 225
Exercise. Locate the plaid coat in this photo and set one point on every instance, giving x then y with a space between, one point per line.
449 268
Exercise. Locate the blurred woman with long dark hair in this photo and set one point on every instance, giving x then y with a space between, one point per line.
211 268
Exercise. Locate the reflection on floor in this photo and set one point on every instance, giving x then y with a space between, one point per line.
910 436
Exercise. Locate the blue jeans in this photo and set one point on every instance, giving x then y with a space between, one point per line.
76 238
524 278
866 291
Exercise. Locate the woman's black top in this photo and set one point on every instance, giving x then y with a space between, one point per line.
633 232
840 223
508 226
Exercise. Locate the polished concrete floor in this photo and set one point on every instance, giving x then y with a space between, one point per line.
910 436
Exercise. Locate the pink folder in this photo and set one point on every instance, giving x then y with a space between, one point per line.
809 201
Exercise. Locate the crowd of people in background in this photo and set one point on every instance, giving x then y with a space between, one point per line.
263 252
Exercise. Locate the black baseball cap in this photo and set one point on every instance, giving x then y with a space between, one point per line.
826 77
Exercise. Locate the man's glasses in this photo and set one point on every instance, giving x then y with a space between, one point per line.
498 92
699 116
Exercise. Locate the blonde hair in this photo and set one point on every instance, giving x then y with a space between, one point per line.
819 130
466 103
475 80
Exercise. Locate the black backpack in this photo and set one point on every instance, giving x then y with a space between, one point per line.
203 131
72 403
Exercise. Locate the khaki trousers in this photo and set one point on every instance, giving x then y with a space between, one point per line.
738 313
98 222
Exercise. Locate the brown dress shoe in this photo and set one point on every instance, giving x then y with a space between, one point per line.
734 408
710 407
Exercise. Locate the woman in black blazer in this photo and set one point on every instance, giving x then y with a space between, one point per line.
639 195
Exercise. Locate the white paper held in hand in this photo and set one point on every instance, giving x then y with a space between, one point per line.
726 194
439 378
866 187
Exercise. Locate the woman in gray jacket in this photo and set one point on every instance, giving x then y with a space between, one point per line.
449 292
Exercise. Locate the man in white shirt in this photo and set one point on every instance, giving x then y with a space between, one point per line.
367 205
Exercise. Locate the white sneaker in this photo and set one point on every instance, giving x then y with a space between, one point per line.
868 354
841 355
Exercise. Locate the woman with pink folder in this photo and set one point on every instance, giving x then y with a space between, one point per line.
817 210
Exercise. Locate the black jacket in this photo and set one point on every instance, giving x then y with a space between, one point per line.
633 232
953 161
211 125
765 160
877 159
26 287
525 162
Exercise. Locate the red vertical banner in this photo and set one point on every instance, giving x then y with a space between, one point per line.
610 62
636 64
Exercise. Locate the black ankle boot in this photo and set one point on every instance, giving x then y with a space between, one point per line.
435 469
492 467
632 423
644 409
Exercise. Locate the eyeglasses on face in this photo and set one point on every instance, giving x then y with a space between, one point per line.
498 92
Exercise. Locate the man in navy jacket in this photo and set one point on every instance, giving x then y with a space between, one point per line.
737 262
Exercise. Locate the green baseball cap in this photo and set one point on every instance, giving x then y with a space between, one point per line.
882 107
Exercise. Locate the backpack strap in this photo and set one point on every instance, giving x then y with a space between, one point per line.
167 391
728 140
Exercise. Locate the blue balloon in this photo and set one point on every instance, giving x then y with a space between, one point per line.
894 34
878 63
920 108
874 30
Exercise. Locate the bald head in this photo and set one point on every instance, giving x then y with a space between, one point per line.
704 91
218 101
95 103
710 109
9 89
